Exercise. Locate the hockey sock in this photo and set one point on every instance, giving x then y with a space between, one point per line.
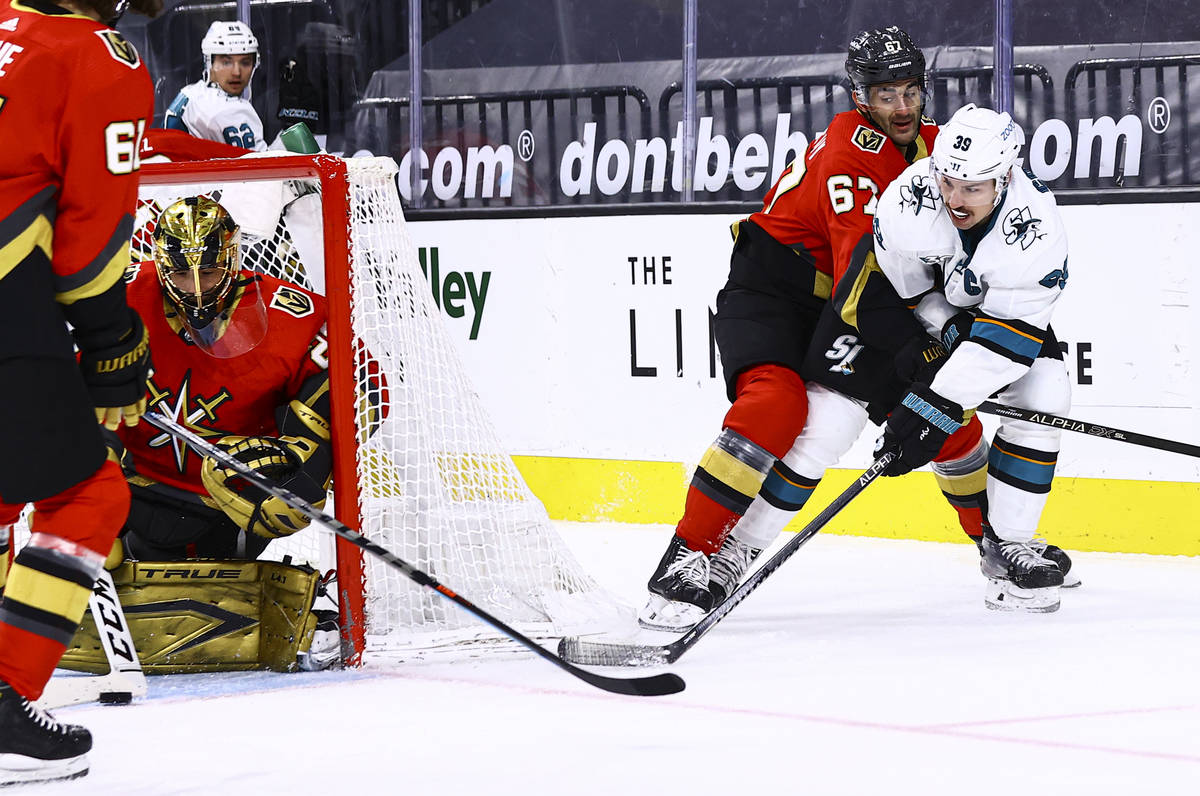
725 482
960 469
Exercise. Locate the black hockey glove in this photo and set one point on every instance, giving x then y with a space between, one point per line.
919 359
956 330
116 373
917 429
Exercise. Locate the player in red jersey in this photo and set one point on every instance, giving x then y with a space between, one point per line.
68 183
785 262
240 361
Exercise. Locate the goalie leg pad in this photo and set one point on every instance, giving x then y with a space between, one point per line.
208 616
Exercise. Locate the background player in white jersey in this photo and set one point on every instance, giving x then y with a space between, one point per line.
996 247
217 107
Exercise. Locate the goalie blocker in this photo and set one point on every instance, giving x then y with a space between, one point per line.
212 616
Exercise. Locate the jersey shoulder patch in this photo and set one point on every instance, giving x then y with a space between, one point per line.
292 301
867 139
119 48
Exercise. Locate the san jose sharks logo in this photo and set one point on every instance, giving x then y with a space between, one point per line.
1021 227
188 411
919 194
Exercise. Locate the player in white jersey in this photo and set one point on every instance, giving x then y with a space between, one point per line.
977 247
971 232
217 107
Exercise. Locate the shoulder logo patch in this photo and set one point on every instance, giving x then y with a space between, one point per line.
1020 227
10 24
121 50
868 140
292 301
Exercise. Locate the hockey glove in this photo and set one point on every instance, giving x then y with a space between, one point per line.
956 330
280 460
918 360
917 429
116 375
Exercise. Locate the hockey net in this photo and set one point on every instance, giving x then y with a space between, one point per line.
418 465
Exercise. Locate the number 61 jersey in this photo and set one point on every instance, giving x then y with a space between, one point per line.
1009 274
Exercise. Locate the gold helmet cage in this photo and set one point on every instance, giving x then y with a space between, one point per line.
197 258
196 254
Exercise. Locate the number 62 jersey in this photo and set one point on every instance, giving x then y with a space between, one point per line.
1008 271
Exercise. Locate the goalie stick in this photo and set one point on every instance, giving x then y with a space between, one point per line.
1091 429
656 685
598 653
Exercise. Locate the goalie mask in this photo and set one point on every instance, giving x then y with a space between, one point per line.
196 256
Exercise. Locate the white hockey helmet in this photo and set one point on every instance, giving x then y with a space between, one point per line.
228 38
978 144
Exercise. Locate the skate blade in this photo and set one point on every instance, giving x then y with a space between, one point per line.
1002 595
22 770
674 617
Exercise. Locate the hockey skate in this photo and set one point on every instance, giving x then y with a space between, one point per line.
1019 578
727 566
679 595
326 647
36 748
1060 558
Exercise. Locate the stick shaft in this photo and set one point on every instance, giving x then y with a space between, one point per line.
1091 429
647 686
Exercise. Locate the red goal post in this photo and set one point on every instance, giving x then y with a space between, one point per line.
418 466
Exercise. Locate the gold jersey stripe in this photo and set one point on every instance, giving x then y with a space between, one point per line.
732 472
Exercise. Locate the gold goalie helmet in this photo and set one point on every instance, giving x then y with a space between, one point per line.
196 255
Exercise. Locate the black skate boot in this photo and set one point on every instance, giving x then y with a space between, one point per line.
1019 578
727 566
679 595
1061 559
36 748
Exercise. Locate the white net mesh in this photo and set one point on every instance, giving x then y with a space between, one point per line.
436 487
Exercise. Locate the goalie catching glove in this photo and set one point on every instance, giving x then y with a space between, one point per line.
917 429
297 464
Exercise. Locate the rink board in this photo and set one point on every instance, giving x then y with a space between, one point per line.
590 342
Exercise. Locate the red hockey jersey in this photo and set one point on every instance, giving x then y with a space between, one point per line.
218 397
75 99
826 200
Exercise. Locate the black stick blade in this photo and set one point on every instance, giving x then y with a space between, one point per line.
656 685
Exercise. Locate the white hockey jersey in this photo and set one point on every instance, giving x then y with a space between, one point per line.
204 110
1010 280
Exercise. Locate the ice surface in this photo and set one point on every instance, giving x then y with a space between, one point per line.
861 666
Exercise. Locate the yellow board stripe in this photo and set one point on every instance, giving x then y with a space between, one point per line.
50 594
732 472
1081 513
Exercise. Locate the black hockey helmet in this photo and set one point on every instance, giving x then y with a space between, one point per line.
883 56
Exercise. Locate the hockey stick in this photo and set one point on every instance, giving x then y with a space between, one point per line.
1091 429
125 679
656 685
598 653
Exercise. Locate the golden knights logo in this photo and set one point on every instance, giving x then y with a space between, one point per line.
868 140
205 411
292 301
121 51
